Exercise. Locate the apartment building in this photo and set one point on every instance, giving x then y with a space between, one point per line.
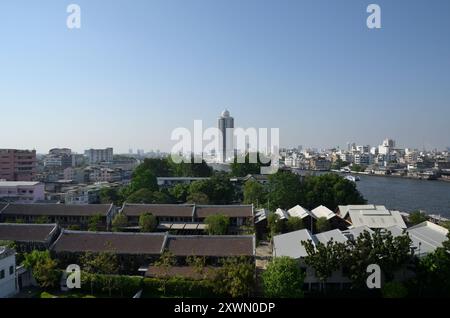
17 165
96 156
21 191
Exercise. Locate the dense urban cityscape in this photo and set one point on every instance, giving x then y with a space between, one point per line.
210 156
149 219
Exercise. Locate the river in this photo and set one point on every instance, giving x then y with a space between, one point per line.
406 195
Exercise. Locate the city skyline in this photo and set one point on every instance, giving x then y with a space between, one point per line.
135 72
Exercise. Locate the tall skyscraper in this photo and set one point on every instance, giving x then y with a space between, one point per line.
226 125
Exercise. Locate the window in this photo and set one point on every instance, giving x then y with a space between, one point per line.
2 274
11 270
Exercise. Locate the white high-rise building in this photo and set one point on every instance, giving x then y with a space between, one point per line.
226 125
99 155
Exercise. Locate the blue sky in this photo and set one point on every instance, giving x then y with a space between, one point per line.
138 69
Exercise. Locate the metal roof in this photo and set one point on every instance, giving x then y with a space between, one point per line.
322 212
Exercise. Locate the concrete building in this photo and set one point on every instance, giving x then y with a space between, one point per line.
226 125
21 191
17 165
96 156
8 280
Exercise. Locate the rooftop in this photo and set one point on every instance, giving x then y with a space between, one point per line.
26 232
18 183
56 209
207 245
114 242
322 212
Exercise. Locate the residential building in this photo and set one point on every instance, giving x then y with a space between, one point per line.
320 164
86 194
17 165
21 191
8 279
96 156
62 214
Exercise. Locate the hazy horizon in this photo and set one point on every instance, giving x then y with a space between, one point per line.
137 70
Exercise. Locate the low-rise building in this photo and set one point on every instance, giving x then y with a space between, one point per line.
8 279
189 218
290 245
62 214
29 237
135 250
372 216
21 191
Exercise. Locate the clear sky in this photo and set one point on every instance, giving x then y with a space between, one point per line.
138 69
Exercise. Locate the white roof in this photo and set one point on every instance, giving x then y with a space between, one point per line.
282 214
426 237
325 237
353 232
289 244
18 183
322 212
372 216
298 211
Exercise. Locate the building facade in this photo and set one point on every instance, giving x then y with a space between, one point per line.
226 126
8 281
21 191
17 165
96 156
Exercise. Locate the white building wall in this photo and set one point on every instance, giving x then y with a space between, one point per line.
8 282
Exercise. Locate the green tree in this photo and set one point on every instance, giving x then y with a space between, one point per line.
198 198
95 223
284 190
217 224
433 271
148 222
198 263
43 268
119 222
143 179
218 189
294 224
274 224
325 259
322 225
100 263
141 196
357 168
241 166
254 193
179 192
394 290
111 195
329 190
236 277
390 253
338 164
283 278
417 217
165 262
